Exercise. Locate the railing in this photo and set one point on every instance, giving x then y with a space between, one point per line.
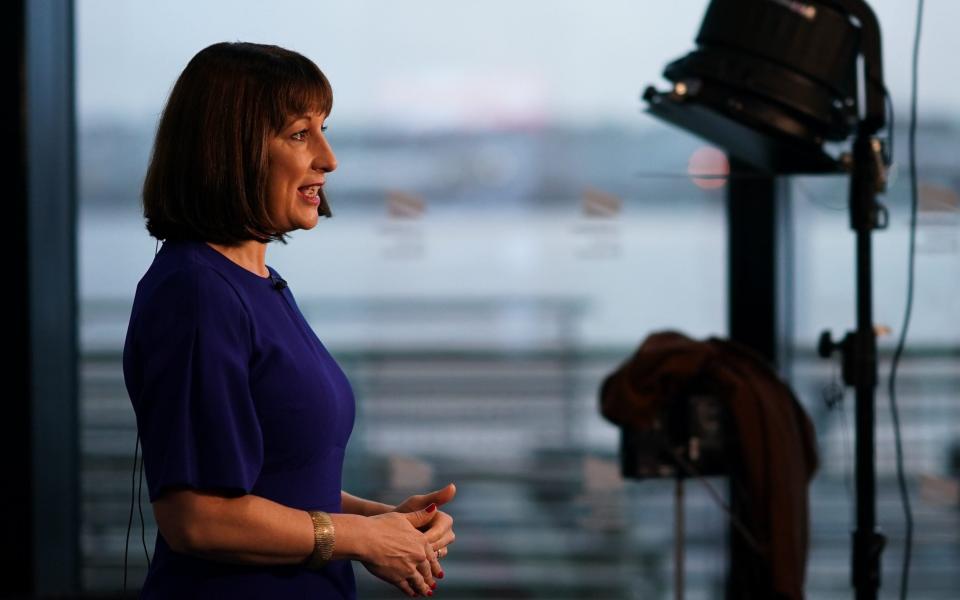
542 511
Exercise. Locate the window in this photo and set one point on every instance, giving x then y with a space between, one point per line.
508 227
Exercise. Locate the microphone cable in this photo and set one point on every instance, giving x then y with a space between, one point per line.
136 491
908 310
135 494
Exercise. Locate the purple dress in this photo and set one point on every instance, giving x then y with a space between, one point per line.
234 392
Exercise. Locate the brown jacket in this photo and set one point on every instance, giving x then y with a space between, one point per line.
774 434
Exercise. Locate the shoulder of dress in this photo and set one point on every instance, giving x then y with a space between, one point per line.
197 284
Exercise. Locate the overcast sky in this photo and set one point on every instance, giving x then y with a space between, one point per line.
445 62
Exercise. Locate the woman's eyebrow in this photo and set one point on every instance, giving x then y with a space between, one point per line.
304 117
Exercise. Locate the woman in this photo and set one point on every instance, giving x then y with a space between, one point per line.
243 414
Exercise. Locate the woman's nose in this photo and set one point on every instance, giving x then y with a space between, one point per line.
324 159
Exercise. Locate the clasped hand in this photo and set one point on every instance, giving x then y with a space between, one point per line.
411 540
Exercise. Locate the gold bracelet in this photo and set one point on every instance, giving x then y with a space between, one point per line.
323 540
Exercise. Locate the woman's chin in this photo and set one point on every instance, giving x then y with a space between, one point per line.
310 223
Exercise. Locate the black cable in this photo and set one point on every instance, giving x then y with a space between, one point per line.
143 534
133 489
136 492
738 524
901 478
891 121
891 126
833 396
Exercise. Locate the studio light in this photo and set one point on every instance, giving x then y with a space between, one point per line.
773 83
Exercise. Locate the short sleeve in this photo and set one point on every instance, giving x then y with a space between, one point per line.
188 378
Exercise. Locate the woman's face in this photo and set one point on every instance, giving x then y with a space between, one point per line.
299 158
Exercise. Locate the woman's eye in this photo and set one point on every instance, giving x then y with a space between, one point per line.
300 135
323 129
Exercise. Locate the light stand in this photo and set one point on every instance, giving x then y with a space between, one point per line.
859 358
770 82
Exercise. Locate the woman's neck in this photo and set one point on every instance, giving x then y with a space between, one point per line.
251 255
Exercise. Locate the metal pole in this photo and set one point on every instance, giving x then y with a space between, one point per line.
864 218
678 540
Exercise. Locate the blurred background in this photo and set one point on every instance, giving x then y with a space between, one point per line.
508 226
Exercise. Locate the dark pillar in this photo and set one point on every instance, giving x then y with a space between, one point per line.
16 544
760 270
759 294
40 437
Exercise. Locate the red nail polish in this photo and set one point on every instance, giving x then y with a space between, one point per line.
429 593
432 507
433 585
440 575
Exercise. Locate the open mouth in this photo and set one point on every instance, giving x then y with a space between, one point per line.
310 191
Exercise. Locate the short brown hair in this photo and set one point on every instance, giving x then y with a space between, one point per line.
207 178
